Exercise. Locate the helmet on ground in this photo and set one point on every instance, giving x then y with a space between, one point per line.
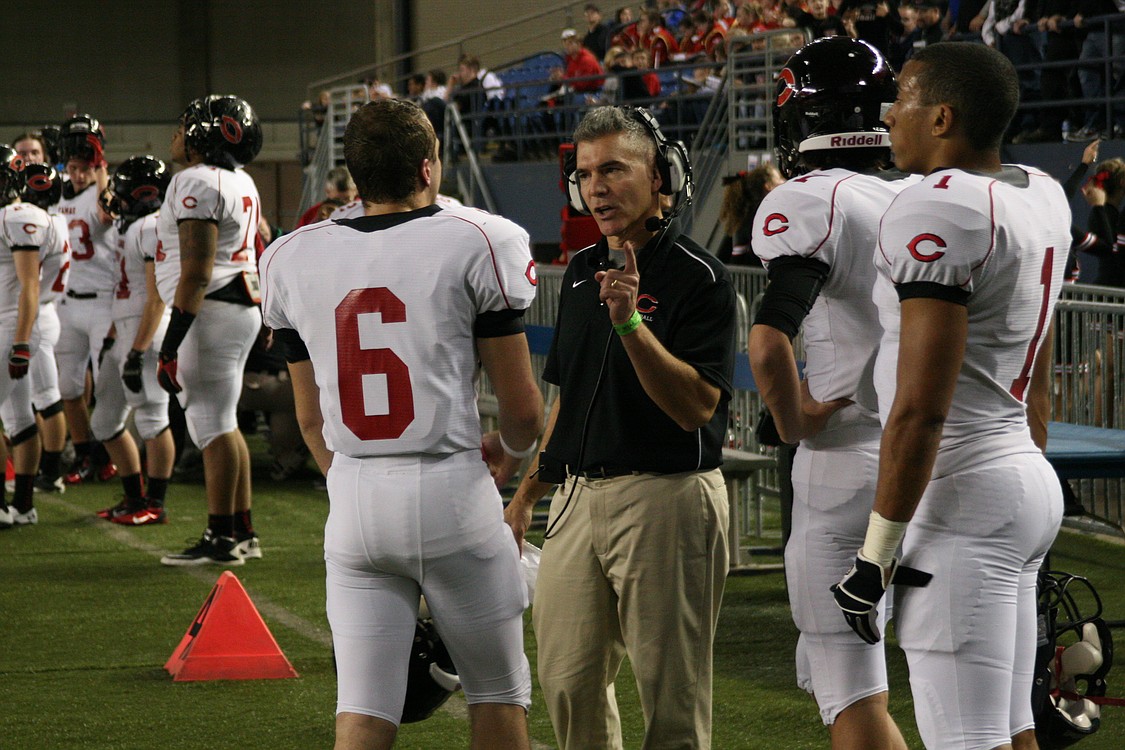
137 188
223 130
81 137
1074 655
831 98
432 678
42 185
11 174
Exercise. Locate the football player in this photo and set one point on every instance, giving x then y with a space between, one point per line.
384 319
24 230
207 234
816 234
140 319
970 263
84 311
43 188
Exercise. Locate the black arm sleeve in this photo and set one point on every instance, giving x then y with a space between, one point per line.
1070 187
496 323
931 290
794 286
295 349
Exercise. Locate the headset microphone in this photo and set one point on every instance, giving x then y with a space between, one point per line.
655 223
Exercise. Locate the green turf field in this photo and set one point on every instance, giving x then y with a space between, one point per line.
88 617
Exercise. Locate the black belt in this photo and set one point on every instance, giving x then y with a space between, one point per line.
600 472
81 295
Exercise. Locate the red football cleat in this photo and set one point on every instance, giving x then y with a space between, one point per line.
143 517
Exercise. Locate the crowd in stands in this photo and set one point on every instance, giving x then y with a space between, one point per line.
618 58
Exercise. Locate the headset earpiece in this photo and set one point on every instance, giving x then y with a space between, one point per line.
672 162
573 192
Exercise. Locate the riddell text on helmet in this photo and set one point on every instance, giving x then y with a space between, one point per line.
857 139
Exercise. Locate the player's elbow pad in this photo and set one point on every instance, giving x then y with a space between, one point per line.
795 283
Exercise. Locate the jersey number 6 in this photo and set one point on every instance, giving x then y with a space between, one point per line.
353 363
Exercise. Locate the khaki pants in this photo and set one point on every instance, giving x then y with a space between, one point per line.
637 566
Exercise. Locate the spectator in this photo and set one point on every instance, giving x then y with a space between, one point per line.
656 39
415 85
597 32
1091 75
436 86
1056 22
876 22
625 32
742 194
650 82
819 22
904 42
1007 28
583 72
928 27
1104 192
338 190
479 96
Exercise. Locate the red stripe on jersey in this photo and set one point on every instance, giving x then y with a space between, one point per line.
492 254
831 214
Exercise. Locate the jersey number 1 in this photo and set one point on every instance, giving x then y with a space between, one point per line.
1019 385
353 362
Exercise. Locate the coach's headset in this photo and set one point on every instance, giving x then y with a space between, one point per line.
672 165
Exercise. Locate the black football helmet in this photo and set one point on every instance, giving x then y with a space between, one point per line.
831 94
137 188
432 678
1074 655
11 174
42 185
81 137
223 130
50 135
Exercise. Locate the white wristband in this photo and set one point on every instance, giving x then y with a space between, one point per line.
882 540
528 451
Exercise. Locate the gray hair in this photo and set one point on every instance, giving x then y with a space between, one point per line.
604 121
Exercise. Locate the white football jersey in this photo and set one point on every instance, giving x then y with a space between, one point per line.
228 198
23 226
352 209
54 262
386 307
833 216
138 242
1003 239
92 244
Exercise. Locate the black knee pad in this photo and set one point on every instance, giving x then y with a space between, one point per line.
51 410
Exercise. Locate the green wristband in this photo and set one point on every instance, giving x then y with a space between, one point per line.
630 325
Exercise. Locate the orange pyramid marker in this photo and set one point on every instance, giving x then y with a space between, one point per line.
228 640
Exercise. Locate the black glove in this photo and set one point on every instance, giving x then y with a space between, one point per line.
133 371
166 368
18 360
859 591
107 344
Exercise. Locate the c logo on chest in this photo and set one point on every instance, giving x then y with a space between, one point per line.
912 246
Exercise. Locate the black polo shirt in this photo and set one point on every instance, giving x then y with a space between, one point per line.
688 302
